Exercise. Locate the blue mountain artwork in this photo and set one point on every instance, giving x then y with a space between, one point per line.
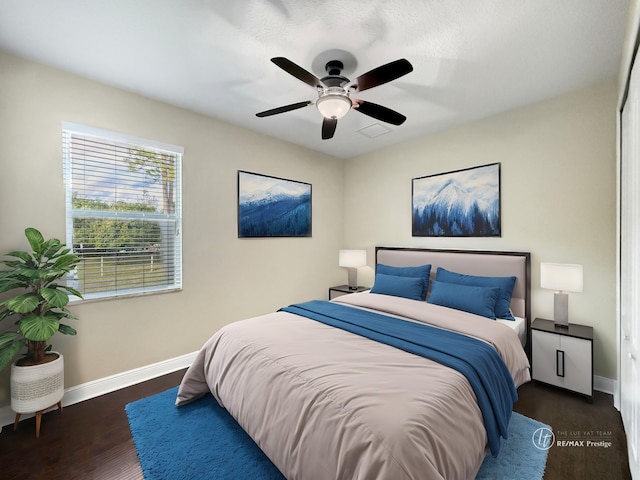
455 211
279 215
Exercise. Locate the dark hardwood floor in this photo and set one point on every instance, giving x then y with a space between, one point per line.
573 419
91 440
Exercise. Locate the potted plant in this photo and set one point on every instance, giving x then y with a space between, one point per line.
39 306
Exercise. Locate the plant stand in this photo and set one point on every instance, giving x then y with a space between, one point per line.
37 388
38 417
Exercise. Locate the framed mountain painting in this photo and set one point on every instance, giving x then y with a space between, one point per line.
461 203
273 207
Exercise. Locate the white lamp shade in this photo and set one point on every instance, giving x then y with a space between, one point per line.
333 106
352 258
562 277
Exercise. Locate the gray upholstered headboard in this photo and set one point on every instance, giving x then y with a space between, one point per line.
471 262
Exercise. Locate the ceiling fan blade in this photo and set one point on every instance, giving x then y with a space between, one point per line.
298 72
329 127
286 108
382 74
379 112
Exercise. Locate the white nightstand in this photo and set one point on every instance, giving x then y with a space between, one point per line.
340 290
562 356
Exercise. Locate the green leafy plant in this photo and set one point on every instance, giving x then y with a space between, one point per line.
41 304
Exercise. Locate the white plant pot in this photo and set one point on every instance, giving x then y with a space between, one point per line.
37 387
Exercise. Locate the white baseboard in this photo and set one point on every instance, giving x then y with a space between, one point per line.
95 388
607 385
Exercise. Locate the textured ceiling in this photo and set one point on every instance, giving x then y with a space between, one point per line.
471 58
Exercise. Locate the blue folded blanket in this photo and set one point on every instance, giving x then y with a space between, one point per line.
476 360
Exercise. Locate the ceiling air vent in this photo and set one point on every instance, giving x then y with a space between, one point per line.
374 130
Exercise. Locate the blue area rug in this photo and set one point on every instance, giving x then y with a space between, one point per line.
201 440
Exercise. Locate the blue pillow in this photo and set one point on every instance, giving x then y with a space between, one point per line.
505 284
407 287
478 300
422 271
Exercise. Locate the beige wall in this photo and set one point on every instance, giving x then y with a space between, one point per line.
225 278
558 197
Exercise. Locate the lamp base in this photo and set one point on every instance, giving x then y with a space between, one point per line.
353 278
561 309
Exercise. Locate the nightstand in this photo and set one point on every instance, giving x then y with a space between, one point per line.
562 356
340 290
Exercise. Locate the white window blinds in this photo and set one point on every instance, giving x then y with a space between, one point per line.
123 204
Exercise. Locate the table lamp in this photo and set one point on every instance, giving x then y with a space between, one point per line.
351 260
561 277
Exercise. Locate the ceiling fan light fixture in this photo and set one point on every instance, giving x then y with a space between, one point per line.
334 91
333 105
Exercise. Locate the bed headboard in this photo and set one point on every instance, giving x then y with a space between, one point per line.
471 262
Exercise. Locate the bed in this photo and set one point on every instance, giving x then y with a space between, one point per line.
340 389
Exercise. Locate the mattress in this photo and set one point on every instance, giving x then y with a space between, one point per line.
519 325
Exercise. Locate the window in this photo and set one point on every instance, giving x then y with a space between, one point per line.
123 204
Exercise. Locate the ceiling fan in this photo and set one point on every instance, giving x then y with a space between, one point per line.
334 90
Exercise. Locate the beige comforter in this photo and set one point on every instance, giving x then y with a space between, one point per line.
326 404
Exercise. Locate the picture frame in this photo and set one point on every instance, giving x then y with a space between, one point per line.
459 203
272 206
